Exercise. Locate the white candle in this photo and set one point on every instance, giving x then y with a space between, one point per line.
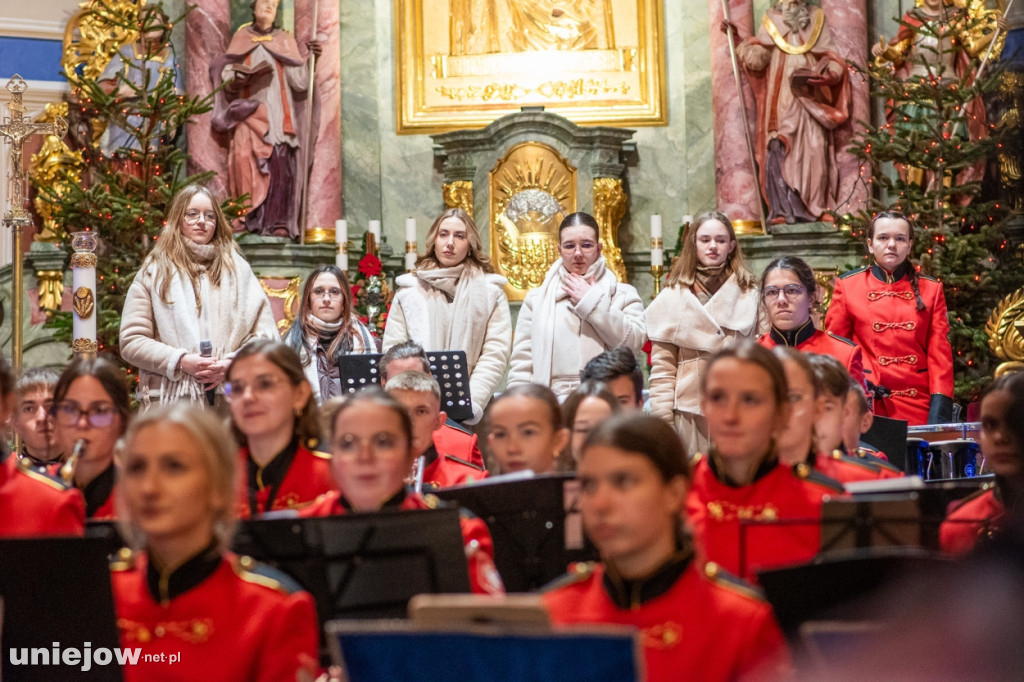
655 226
375 231
84 300
410 244
341 241
410 229
687 219
657 257
657 250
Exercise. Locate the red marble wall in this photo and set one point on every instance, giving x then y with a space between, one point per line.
207 32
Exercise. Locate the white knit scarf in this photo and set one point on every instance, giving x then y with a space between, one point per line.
460 324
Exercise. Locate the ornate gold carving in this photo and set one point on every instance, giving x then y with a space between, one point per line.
79 346
578 88
83 260
83 302
290 295
51 290
459 194
95 33
1011 92
320 235
54 166
531 189
1005 329
609 206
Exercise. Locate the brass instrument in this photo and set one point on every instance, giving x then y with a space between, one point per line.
67 470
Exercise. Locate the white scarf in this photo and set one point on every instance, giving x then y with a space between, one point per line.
462 323
542 336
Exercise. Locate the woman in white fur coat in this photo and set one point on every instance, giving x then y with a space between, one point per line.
578 312
454 301
710 302
193 287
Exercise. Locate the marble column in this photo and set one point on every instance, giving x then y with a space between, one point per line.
325 178
207 32
736 184
848 20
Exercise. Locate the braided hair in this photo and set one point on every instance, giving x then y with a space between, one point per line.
914 277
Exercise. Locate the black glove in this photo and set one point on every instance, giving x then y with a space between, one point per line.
940 409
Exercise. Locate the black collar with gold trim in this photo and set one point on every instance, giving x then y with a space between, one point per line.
631 594
793 337
165 585
883 275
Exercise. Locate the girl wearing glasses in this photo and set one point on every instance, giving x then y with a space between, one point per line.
194 302
789 291
371 456
697 622
745 397
710 302
182 592
91 404
577 313
454 301
898 317
276 421
326 328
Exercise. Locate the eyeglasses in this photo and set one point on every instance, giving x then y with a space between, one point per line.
585 247
790 291
261 385
348 446
193 216
334 292
98 416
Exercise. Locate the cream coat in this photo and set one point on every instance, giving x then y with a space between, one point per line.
602 320
408 319
684 336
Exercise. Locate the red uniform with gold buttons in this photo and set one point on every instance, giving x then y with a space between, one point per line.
34 503
225 617
807 339
906 350
845 469
715 509
973 521
695 623
455 459
293 479
483 575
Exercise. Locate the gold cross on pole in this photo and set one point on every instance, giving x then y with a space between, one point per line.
14 130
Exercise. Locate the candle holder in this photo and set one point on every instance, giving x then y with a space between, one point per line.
657 263
656 272
411 254
341 257
83 266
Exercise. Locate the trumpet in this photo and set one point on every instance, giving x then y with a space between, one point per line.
67 470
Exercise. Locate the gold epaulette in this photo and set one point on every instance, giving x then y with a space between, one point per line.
124 560
321 455
862 463
812 475
53 481
577 572
252 571
724 578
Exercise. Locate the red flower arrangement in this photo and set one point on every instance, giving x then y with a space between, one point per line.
370 265
371 289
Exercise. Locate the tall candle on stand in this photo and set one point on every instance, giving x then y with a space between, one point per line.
341 241
410 244
83 266
375 231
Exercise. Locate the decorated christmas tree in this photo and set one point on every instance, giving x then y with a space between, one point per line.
929 157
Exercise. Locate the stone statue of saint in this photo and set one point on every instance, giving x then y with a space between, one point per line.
803 95
263 109
493 26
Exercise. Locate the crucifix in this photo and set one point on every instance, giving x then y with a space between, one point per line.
14 129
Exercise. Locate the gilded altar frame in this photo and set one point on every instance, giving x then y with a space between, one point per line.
451 73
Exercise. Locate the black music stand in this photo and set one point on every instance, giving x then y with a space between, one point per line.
889 436
363 565
870 521
108 532
57 590
536 529
449 367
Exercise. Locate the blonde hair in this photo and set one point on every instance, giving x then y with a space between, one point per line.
475 257
171 255
684 269
211 438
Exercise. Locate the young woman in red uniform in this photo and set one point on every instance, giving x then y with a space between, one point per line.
275 419
898 317
372 454
183 594
32 501
696 622
789 291
1002 445
91 404
746 400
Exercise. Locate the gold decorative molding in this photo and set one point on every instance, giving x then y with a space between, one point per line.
56 167
83 302
95 33
459 194
320 235
532 188
50 285
826 280
609 206
83 260
1005 329
289 294
80 346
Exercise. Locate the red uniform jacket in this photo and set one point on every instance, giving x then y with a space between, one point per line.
242 622
34 503
905 350
846 469
705 627
456 459
779 493
977 517
483 575
284 484
810 340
